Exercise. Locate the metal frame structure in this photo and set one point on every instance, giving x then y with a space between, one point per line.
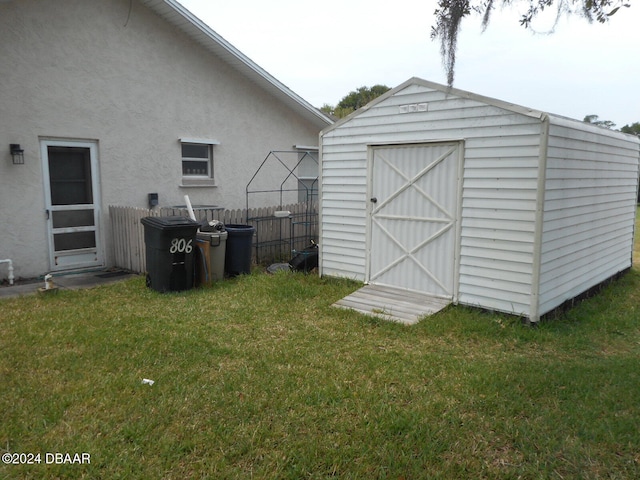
294 230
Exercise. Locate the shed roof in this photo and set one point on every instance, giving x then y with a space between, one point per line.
529 112
177 15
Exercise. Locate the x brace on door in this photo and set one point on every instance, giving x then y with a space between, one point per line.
447 221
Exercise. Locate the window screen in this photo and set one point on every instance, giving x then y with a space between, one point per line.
197 160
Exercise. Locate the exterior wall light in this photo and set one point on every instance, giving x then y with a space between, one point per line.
17 153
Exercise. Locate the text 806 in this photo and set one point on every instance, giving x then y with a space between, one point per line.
181 245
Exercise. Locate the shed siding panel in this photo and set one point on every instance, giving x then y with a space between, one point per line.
591 183
501 151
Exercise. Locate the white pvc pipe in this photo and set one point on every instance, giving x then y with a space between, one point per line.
192 215
8 260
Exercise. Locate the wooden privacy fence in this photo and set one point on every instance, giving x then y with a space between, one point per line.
278 234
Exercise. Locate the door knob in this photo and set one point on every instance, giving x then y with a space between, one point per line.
374 200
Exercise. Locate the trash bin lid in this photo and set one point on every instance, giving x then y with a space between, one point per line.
169 223
239 230
206 236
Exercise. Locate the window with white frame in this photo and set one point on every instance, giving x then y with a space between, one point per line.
197 158
307 173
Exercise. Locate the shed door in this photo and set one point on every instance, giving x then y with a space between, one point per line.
412 223
72 204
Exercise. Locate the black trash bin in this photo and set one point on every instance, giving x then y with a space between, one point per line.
238 254
170 245
305 260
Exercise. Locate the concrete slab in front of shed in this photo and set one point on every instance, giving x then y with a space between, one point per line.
392 304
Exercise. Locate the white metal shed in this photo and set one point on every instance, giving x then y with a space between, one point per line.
480 202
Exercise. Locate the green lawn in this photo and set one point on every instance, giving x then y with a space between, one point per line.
259 377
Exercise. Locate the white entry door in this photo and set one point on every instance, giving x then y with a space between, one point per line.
72 202
413 217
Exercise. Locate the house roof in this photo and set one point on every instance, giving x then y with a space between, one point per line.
177 15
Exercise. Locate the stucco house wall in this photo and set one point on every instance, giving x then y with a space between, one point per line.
118 74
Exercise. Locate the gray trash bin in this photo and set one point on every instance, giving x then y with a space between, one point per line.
210 256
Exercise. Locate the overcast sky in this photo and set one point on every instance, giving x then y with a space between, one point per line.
323 50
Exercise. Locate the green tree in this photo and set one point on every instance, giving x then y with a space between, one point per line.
633 129
449 15
355 100
595 120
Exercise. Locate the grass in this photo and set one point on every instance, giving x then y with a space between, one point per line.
258 377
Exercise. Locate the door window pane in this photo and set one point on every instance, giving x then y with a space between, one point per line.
73 218
70 175
74 241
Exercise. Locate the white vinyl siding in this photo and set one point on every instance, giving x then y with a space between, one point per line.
591 183
547 204
499 189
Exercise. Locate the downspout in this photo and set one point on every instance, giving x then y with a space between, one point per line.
534 314
8 260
